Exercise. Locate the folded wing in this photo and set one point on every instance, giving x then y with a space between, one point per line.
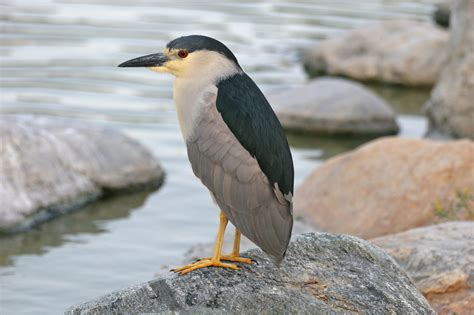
242 190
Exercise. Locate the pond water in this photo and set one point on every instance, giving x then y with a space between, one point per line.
59 58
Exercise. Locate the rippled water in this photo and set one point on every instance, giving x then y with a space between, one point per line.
60 57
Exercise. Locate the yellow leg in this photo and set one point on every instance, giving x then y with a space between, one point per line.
215 260
235 255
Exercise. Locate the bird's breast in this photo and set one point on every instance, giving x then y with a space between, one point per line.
190 98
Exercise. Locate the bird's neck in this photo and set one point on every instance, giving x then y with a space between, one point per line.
196 88
189 98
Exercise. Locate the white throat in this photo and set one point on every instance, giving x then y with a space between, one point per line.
195 81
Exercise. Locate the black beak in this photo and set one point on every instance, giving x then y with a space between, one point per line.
154 60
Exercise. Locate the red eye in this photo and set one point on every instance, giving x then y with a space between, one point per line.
183 53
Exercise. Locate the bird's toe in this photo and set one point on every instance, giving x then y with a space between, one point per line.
237 259
203 263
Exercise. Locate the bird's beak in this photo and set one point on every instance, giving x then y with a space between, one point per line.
154 60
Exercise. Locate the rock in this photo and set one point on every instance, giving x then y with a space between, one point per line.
451 107
390 185
396 51
334 106
440 259
442 13
321 274
50 166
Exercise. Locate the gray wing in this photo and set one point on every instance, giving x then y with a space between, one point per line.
238 185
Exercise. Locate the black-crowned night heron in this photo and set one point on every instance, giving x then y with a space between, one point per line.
235 144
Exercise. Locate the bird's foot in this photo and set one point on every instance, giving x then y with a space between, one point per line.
236 258
203 263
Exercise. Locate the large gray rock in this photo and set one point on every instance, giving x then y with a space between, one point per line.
334 106
396 51
451 106
440 260
50 166
321 274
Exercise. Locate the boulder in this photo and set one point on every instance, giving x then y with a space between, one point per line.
402 52
334 106
50 166
321 274
390 185
440 260
451 107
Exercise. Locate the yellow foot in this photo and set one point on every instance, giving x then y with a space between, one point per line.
203 263
236 259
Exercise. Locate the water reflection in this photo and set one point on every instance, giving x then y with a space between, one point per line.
88 220
328 146
404 100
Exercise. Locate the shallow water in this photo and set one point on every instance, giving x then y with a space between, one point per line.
60 57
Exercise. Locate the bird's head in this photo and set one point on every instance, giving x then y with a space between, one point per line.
188 56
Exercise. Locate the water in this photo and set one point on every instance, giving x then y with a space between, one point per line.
59 58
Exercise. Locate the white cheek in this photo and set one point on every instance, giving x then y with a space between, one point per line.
174 66
159 69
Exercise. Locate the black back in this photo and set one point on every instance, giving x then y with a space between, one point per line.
198 42
249 116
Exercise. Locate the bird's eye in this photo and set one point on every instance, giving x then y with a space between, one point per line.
183 53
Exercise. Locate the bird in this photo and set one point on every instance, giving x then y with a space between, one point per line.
235 144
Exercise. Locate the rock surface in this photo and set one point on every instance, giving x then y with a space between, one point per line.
451 106
50 166
390 185
440 260
396 51
322 274
334 106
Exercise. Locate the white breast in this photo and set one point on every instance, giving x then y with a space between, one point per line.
189 99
